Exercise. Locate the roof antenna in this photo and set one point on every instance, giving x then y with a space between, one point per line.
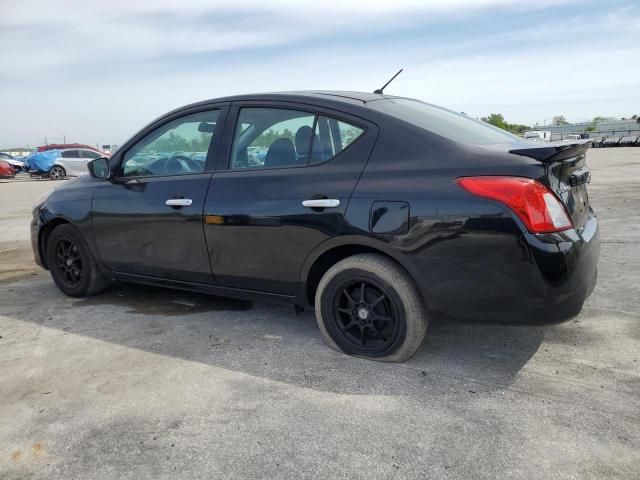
385 85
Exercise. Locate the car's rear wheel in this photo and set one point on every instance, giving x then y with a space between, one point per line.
368 306
72 266
57 173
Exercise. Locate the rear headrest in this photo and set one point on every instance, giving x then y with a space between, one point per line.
281 153
303 136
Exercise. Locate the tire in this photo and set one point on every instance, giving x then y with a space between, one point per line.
72 266
354 319
57 173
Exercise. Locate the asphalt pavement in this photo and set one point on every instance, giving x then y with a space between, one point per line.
143 382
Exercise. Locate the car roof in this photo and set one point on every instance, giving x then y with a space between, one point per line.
352 102
67 146
316 97
335 95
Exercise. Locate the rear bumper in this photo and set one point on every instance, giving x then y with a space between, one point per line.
568 268
541 279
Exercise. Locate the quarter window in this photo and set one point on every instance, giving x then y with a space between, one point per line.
70 154
90 154
331 137
176 148
276 137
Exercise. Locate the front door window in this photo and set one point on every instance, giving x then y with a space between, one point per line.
177 148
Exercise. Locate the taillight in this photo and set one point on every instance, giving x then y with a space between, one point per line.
536 205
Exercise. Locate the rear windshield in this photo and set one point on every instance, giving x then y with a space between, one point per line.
443 122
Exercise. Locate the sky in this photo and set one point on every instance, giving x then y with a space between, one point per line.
96 72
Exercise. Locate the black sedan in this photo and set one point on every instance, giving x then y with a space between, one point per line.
382 212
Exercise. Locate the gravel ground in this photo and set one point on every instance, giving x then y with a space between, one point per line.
142 382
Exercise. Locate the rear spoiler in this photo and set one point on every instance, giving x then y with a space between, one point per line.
555 151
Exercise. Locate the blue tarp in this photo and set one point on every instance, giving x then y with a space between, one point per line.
41 161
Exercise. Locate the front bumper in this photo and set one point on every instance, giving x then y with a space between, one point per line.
36 228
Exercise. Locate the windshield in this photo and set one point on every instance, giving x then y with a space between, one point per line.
443 122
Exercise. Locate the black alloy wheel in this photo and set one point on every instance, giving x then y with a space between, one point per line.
68 263
72 266
368 306
365 316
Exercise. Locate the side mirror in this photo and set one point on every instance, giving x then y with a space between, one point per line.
99 168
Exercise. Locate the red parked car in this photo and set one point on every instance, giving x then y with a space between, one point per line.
7 170
61 146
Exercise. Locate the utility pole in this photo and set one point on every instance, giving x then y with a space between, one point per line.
64 138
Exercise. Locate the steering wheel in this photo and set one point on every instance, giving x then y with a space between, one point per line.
180 164
138 172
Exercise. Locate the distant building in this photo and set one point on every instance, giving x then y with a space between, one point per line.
17 152
612 128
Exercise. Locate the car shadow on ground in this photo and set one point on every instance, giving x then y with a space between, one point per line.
273 342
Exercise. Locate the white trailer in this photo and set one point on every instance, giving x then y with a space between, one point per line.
538 135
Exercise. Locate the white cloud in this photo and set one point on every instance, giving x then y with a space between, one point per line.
99 72
36 11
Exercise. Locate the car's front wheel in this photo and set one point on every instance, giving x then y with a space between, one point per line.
368 306
57 173
72 266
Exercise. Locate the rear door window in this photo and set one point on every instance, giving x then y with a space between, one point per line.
71 154
277 137
270 138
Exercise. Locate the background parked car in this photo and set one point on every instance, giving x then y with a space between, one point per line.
65 146
14 162
58 164
611 142
628 141
6 170
597 142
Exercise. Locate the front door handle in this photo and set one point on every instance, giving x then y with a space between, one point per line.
179 202
321 203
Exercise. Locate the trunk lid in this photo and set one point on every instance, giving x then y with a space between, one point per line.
567 174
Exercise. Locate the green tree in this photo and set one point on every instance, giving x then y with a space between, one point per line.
496 119
559 120
169 143
266 138
518 129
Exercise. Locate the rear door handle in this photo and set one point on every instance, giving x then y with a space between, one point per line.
179 202
321 203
